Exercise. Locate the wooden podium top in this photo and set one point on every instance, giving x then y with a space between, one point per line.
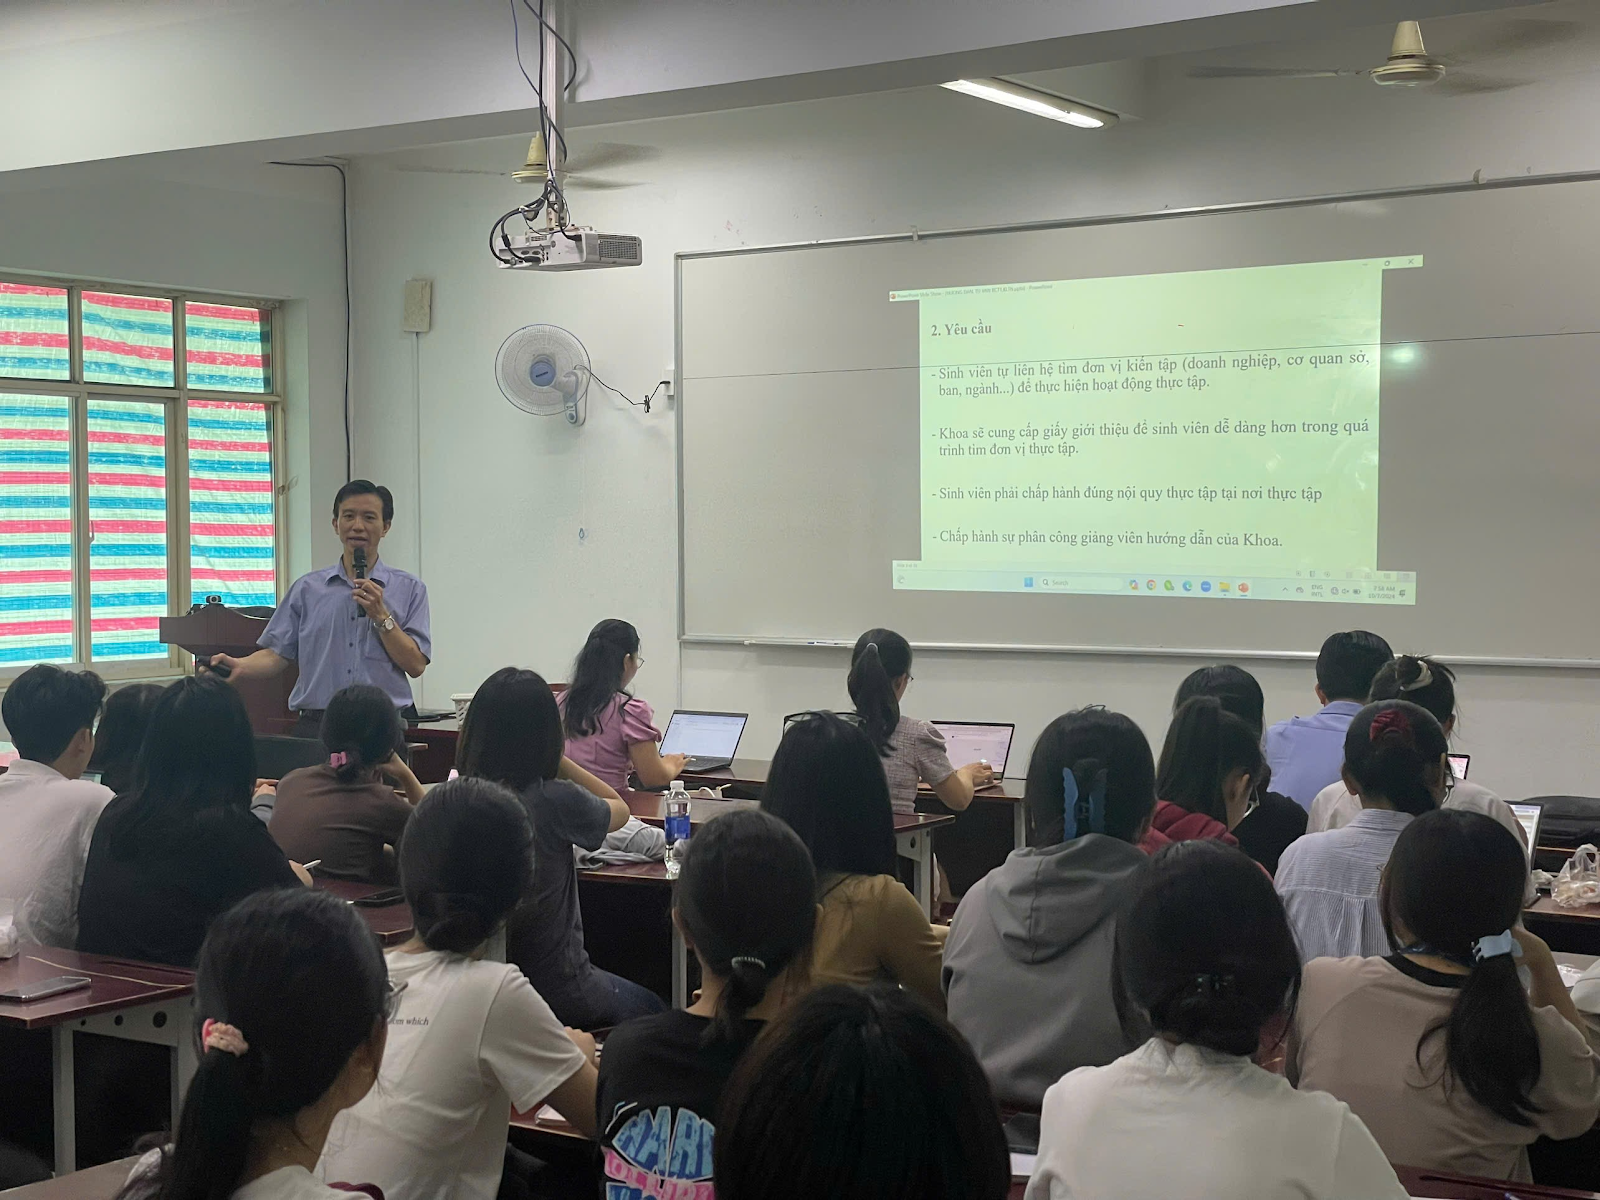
213 629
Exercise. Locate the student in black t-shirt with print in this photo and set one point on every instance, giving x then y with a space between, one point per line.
746 903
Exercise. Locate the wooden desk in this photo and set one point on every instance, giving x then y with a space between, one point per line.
912 832
392 923
1569 929
139 1002
438 739
1448 1186
652 875
95 1183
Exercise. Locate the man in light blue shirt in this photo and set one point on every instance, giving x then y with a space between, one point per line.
1307 753
342 629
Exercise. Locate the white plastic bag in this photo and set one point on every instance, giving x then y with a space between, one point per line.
1579 881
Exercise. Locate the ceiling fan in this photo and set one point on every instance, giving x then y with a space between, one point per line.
581 170
1409 64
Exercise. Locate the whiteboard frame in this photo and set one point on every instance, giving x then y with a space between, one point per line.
913 234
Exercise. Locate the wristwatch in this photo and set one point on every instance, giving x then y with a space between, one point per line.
385 625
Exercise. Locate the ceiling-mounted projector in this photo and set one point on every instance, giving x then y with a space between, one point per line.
571 249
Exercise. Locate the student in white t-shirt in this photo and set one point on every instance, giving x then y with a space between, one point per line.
1205 973
290 1003
469 1040
1430 685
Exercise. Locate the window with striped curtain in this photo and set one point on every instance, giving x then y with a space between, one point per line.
106 524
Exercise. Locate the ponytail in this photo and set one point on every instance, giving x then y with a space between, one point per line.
1107 759
1205 745
302 981
361 730
747 902
1393 751
1421 680
597 676
1454 882
466 861
880 657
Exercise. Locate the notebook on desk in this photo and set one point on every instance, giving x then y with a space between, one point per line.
709 739
977 741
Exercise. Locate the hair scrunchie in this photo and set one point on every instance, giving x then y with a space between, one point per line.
1392 720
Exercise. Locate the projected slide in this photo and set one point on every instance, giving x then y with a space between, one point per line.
1204 434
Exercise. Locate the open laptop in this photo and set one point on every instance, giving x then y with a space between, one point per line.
977 741
1459 764
710 739
1529 815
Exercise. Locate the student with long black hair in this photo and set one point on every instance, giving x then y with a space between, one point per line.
1430 684
469 1039
1205 978
1206 779
349 812
827 783
746 904
512 735
121 734
182 846
856 1093
291 1004
1272 820
1394 760
1041 924
610 731
1438 1047
912 750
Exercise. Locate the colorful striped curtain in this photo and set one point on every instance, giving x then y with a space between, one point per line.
35 530
231 530
128 528
33 332
127 339
226 348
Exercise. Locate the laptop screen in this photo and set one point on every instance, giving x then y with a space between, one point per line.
1459 764
704 734
969 743
1528 815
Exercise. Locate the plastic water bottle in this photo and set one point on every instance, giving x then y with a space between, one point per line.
677 826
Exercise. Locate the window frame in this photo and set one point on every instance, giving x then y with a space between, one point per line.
175 401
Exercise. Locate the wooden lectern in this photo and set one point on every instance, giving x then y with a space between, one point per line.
218 629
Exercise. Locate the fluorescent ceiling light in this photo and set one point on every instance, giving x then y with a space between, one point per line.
1031 100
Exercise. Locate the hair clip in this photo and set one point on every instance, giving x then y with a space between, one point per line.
1391 720
747 960
338 759
1082 814
1495 945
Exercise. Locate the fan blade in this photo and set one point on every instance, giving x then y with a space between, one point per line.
610 154
1516 35
1468 84
1266 73
589 183
421 170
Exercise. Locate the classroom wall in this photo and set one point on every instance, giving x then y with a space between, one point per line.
531 531
263 232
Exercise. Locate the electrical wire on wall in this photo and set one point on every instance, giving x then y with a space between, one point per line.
344 213
416 402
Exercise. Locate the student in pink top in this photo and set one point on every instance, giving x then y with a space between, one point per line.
610 731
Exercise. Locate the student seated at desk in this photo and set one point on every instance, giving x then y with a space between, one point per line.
47 812
121 733
1206 976
912 750
468 1040
609 730
1394 760
1305 752
1431 685
827 782
1206 778
292 1002
746 904
182 846
856 1093
1438 1047
1274 820
345 812
512 736
1027 969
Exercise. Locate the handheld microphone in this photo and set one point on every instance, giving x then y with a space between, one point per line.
359 558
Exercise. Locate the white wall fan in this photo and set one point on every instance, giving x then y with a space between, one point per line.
544 371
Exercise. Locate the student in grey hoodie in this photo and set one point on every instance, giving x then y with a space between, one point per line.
1027 967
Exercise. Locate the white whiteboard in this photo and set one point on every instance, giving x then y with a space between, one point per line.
799 426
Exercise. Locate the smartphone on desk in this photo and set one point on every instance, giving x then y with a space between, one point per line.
39 989
381 899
